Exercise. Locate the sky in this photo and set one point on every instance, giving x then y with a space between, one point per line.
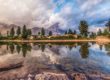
44 13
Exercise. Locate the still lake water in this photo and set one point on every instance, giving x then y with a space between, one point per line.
70 57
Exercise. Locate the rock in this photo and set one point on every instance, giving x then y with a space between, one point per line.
30 76
51 76
21 79
29 79
79 76
11 66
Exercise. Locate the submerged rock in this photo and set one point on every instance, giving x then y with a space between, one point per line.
51 76
59 76
11 66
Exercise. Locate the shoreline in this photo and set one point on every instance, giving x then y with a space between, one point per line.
59 41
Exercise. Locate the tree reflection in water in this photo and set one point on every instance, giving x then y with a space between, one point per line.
18 48
12 47
107 48
43 47
101 47
24 48
84 50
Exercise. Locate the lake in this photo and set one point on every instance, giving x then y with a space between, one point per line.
19 60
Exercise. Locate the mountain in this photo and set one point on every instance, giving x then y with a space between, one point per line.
54 28
6 27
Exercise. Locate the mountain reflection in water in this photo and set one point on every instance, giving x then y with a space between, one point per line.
76 57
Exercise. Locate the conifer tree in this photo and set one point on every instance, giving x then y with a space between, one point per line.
83 28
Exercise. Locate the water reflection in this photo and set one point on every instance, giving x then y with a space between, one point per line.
107 47
81 57
84 50
24 48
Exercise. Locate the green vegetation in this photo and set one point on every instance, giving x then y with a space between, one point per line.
83 27
23 33
108 25
84 50
50 33
25 48
18 32
12 32
42 32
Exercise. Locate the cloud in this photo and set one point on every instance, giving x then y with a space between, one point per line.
88 4
44 13
94 11
29 12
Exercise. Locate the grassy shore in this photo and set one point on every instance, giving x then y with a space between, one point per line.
102 40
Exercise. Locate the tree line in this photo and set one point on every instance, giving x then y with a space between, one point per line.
24 33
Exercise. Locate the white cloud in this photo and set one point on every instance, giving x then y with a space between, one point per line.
40 13
88 4
30 12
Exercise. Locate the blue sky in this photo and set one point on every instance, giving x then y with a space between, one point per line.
96 12
44 13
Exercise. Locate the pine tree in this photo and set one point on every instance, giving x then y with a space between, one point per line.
12 32
74 32
1 36
108 24
50 33
39 33
83 28
29 32
70 31
92 35
42 32
24 32
66 32
18 32
106 32
7 33
99 32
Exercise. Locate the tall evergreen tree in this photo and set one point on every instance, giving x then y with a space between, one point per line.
74 32
42 32
29 32
50 33
12 32
66 32
92 35
39 33
24 32
99 32
18 32
106 32
7 33
108 24
70 31
83 28
0 35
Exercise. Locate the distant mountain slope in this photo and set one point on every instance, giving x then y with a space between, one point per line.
54 28
6 27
